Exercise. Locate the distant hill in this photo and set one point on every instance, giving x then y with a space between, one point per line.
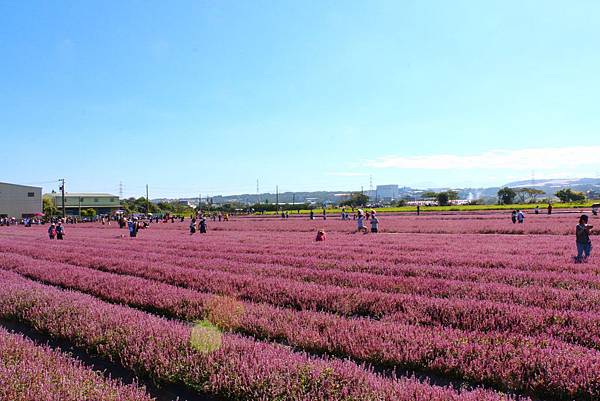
489 194
555 183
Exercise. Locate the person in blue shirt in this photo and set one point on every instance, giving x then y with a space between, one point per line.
582 239
132 226
60 231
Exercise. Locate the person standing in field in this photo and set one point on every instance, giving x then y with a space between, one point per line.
520 216
513 216
60 231
537 210
549 208
131 226
193 226
582 235
360 226
374 223
312 215
52 231
202 225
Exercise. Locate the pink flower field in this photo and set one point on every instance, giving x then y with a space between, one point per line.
455 306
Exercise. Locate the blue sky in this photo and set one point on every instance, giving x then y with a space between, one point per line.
207 96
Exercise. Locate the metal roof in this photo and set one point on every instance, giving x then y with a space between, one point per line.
88 194
19 185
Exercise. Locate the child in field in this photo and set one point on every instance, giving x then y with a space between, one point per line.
374 223
320 235
582 235
360 226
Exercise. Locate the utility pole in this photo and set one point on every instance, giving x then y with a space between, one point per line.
62 191
147 201
120 189
277 197
257 193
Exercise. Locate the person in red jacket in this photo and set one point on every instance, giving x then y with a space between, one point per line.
320 235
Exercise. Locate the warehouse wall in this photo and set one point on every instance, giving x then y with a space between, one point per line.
17 200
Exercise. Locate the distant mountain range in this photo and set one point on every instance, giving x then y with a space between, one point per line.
555 183
549 186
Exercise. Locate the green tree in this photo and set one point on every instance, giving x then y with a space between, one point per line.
442 198
356 199
89 213
428 195
452 195
49 206
568 195
528 193
506 196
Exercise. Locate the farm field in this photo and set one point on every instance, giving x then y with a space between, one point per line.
453 306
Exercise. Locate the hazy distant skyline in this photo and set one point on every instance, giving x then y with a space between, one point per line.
207 96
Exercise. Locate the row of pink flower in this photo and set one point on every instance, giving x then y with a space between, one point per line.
240 369
561 224
534 364
580 328
31 373
301 295
370 253
385 259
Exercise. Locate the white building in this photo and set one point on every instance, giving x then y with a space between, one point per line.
19 200
386 192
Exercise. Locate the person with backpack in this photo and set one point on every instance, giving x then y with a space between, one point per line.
52 231
60 231
582 239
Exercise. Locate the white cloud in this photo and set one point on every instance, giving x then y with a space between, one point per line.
347 174
517 159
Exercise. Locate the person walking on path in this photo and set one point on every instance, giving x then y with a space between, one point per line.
52 231
374 223
582 235
60 231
